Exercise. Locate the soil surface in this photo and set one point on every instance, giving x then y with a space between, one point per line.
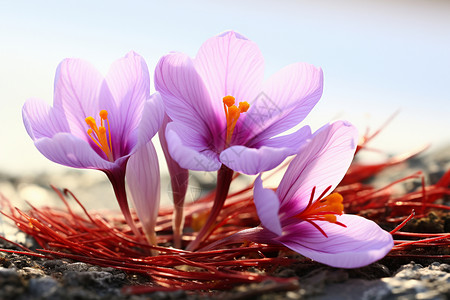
24 277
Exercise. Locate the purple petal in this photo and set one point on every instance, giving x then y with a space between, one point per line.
178 175
186 98
184 149
320 163
142 175
361 243
77 87
252 161
230 64
123 94
267 206
152 118
129 82
41 120
71 151
294 140
288 97
179 179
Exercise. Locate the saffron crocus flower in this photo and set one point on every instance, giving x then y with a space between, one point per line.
223 112
97 122
305 217
226 118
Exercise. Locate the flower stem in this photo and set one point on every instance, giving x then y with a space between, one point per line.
256 234
179 187
179 178
117 178
224 176
178 223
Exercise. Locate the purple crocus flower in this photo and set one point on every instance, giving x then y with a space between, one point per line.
98 122
210 128
302 214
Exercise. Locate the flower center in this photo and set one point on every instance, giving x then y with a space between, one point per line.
324 209
98 134
232 113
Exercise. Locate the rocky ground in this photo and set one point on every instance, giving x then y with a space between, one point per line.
23 277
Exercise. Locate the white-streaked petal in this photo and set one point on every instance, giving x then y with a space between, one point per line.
287 98
252 161
186 98
41 120
361 243
230 64
186 150
124 93
294 140
71 151
77 87
152 118
143 179
267 206
320 163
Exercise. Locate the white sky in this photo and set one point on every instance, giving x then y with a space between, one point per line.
377 56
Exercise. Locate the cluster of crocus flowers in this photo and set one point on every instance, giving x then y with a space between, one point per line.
213 112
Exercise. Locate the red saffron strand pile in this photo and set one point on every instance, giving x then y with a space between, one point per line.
108 241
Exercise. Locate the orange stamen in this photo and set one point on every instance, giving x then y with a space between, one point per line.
104 116
228 100
232 113
324 209
244 106
98 134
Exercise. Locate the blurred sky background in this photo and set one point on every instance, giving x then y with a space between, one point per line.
377 56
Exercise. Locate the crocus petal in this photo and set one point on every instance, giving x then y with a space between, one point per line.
179 176
360 243
267 206
142 175
252 161
287 98
77 86
230 64
71 151
126 88
152 118
294 140
320 163
41 120
179 179
183 150
186 98
128 80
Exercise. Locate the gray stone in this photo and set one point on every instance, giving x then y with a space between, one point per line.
29 272
412 281
77 267
7 272
42 287
54 263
